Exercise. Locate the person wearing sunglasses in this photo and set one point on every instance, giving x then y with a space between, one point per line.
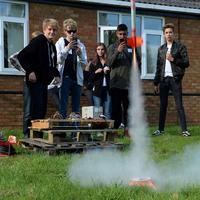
72 58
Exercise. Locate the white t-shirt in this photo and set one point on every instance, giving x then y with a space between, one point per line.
168 67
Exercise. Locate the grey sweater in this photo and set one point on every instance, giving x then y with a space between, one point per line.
120 64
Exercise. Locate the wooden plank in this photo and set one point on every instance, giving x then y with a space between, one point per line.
40 124
40 144
49 123
80 130
56 136
36 142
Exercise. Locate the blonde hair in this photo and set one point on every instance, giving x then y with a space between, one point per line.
50 22
35 34
71 23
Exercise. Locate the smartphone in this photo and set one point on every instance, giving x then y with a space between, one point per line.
75 41
121 40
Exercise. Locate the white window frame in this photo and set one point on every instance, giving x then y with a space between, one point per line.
12 71
144 74
106 28
144 32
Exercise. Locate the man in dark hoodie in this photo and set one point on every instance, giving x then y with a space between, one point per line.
120 62
39 61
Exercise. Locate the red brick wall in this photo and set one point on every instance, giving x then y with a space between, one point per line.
11 104
189 30
86 20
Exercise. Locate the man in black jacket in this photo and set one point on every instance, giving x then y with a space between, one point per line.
39 61
171 63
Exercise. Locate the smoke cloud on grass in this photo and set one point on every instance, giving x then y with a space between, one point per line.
107 167
112 166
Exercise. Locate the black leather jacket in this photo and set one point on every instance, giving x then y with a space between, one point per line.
181 61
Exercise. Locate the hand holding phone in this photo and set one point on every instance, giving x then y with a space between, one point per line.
122 45
121 40
74 43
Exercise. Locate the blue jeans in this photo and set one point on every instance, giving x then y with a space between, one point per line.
68 87
104 101
53 93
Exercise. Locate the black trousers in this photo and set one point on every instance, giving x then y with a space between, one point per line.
120 103
27 110
38 93
169 83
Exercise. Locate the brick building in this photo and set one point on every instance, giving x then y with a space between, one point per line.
97 21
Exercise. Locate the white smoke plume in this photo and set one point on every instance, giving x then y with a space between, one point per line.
107 167
111 166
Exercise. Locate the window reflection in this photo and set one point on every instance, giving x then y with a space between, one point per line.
109 37
11 44
153 43
148 27
126 19
12 10
138 25
152 23
107 19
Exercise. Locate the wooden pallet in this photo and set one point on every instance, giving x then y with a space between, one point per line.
38 144
62 123
80 135
71 134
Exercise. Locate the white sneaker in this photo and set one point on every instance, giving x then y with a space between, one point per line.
121 126
186 133
158 132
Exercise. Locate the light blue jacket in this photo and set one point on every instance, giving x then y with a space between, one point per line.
62 53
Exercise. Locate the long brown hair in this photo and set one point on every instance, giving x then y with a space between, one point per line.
96 57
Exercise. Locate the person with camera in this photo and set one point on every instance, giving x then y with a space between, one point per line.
172 60
72 58
120 62
100 76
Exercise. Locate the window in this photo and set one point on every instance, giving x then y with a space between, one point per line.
107 19
13 32
152 36
149 28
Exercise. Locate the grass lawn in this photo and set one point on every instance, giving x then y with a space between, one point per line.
37 176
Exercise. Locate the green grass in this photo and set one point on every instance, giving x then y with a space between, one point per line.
42 177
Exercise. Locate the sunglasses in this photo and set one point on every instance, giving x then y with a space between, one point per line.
71 31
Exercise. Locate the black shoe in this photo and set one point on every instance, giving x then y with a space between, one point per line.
186 134
158 132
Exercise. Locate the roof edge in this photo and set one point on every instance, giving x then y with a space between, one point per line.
145 6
